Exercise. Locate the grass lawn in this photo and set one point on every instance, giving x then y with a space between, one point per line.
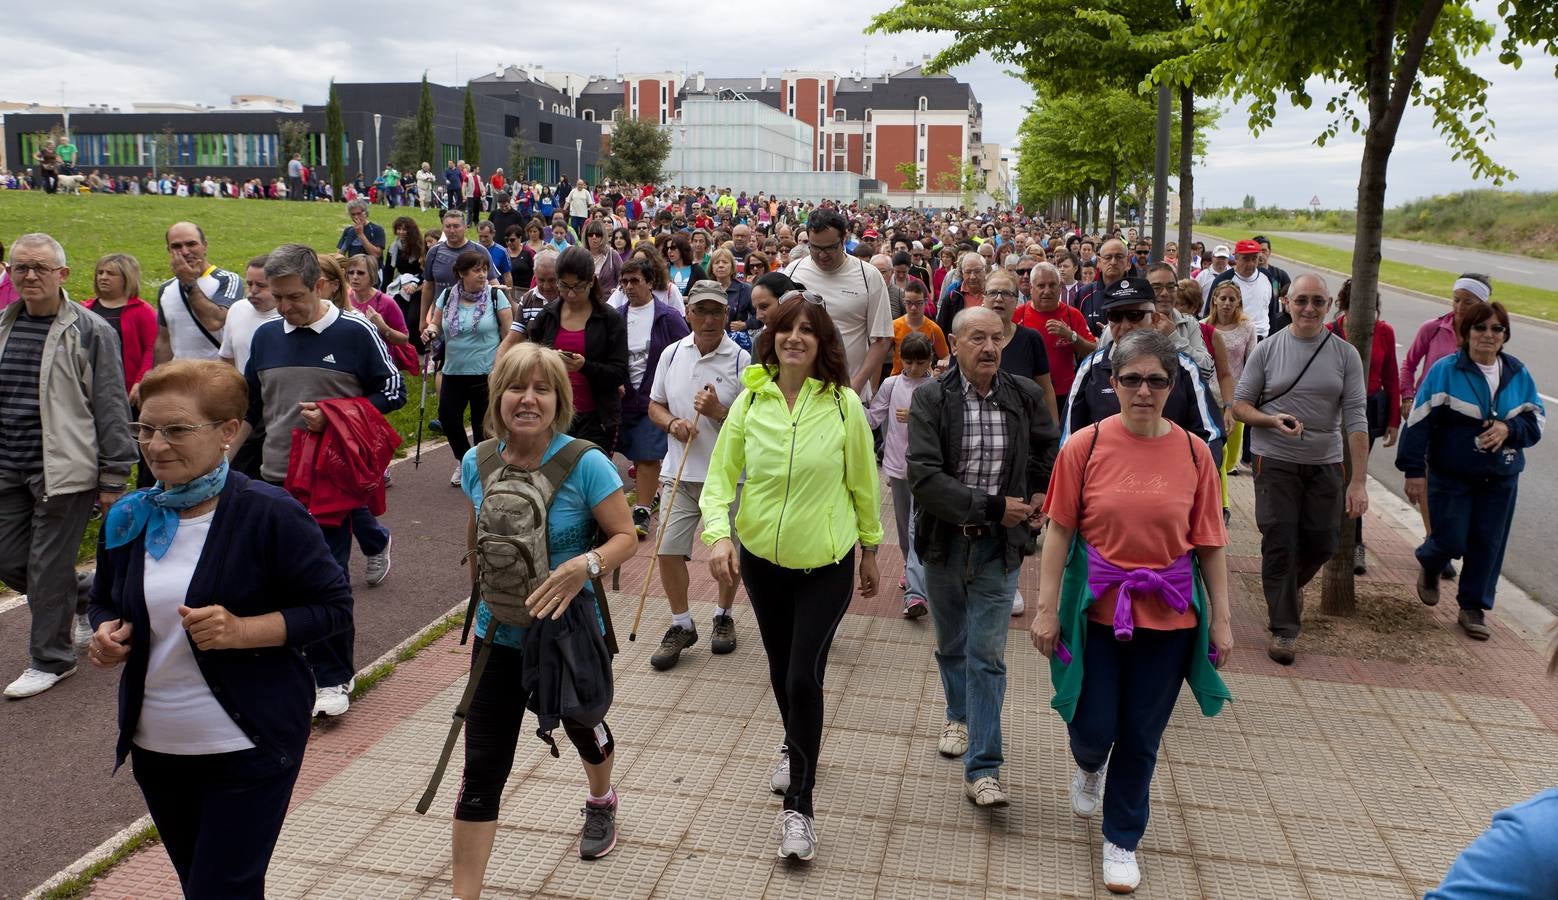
1518 298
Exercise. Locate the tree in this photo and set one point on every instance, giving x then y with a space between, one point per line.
639 150
292 134
405 154
335 142
426 139
970 180
909 171
1249 202
1375 60
470 141
164 148
520 152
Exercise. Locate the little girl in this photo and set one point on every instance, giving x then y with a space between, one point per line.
891 405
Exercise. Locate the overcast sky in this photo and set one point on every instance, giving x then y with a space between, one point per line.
286 48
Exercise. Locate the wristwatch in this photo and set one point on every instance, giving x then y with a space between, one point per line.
592 564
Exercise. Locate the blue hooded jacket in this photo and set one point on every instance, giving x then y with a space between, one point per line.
1453 406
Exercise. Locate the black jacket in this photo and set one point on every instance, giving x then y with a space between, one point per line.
941 501
566 670
263 554
605 354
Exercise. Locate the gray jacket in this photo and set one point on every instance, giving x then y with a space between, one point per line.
81 400
942 503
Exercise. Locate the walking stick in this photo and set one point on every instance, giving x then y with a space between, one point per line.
421 413
665 506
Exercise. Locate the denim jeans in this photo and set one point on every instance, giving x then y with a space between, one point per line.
971 606
903 514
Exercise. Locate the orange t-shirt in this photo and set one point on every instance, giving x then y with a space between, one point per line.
1147 504
928 328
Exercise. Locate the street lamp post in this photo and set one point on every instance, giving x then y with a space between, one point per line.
683 173
377 121
359 159
578 157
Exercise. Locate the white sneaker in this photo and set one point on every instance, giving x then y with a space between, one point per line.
987 792
82 636
454 480
954 739
34 682
1018 606
797 836
334 700
779 781
1087 791
1121 873
379 565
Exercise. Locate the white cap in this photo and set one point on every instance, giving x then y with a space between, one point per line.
1220 250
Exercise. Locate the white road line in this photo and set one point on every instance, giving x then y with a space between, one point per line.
1518 269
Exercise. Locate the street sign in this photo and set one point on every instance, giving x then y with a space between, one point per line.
1315 201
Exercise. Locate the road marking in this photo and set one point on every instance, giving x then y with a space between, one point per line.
1520 270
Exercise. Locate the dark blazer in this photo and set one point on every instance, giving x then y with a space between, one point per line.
941 501
264 554
605 354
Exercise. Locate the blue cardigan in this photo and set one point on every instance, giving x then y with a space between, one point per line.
264 553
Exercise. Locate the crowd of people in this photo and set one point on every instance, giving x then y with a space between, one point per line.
1027 388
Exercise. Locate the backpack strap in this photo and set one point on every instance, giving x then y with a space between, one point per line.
489 461
460 712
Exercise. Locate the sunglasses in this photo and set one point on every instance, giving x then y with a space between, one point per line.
1126 315
1484 327
811 297
1132 381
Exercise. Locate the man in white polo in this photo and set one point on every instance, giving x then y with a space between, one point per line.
855 295
696 380
192 305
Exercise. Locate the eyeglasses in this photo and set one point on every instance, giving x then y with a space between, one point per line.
1008 295
820 249
811 297
573 287
1132 381
26 269
1163 288
1116 316
173 434
627 281
1316 302
1485 327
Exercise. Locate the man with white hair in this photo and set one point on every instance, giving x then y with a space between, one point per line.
60 364
969 293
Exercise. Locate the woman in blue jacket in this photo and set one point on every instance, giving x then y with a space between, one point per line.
1475 413
208 587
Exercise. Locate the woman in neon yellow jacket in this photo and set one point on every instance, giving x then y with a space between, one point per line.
811 493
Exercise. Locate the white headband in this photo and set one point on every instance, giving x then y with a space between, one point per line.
1474 287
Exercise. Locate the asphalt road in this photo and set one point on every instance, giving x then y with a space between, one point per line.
57 799
1529 561
1515 269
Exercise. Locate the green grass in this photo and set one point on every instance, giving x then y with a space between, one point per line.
79 885
1518 298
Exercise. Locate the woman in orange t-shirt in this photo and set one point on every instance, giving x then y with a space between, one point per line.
1143 494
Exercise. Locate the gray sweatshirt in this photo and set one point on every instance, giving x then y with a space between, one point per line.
1329 399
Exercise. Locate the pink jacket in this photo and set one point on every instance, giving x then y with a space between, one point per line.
7 289
894 394
1435 340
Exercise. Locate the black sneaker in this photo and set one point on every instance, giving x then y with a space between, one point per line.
724 640
1471 622
641 521
675 641
1427 587
599 835
1449 571
1360 563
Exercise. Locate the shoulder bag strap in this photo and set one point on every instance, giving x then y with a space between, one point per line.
460 712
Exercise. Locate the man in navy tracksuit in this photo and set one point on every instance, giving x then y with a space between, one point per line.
316 352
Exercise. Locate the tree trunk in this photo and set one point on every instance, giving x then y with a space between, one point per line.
1160 175
1114 190
1187 211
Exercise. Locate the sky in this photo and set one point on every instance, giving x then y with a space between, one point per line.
284 48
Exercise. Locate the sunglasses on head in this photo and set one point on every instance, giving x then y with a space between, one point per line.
811 297
1126 315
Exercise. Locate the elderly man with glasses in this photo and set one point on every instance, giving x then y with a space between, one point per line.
60 363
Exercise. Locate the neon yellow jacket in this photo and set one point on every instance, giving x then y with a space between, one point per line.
811 484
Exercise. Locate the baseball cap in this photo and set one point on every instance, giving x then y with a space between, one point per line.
1247 247
707 289
871 233
1220 250
1128 292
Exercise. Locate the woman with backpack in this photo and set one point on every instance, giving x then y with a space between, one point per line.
529 415
472 318
800 434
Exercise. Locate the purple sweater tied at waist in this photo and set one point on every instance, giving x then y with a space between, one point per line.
1173 584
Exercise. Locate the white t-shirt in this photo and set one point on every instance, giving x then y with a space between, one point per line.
1256 292
179 714
1204 278
242 321
185 335
641 320
855 296
1490 372
680 374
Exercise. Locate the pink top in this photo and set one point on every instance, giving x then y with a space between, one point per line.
573 342
1434 341
7 289
384 305
894 394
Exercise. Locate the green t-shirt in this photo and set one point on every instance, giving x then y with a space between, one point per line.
67 153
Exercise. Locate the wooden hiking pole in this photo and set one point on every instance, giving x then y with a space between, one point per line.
665 507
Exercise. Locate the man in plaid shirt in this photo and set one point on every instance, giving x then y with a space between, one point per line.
981 444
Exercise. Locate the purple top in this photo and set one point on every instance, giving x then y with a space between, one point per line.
1172 584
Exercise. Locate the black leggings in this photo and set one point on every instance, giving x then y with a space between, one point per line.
492 733
797 613
458 392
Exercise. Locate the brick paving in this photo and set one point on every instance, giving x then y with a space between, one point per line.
1335 778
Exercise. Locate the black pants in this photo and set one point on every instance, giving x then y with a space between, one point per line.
218 815
492 733
1298 511
457 393
591 427
797 613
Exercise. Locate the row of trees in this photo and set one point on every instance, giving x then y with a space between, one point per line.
1371 61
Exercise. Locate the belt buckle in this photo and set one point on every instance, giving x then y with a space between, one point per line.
973 531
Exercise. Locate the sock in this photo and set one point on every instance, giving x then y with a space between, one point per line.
609 800
682 619
721 611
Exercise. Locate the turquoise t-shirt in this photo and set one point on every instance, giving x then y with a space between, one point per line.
473 350
569 520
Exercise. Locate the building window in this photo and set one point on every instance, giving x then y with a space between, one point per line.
589 115
791 98
664 99
838 115
868 140
868 115
924 104
922 154
922 129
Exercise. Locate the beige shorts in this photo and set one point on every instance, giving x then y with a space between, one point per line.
680 522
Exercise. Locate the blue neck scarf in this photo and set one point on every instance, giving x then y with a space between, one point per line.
155 511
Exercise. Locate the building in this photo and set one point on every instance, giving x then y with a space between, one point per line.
726 140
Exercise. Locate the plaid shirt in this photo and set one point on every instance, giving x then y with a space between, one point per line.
984 441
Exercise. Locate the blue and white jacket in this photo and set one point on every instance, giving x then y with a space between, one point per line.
1453 407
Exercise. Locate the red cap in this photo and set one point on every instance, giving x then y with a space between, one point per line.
1247 247
870 233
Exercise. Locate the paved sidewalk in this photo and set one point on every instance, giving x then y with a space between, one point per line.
1335 778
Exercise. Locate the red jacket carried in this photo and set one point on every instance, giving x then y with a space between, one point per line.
340 469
